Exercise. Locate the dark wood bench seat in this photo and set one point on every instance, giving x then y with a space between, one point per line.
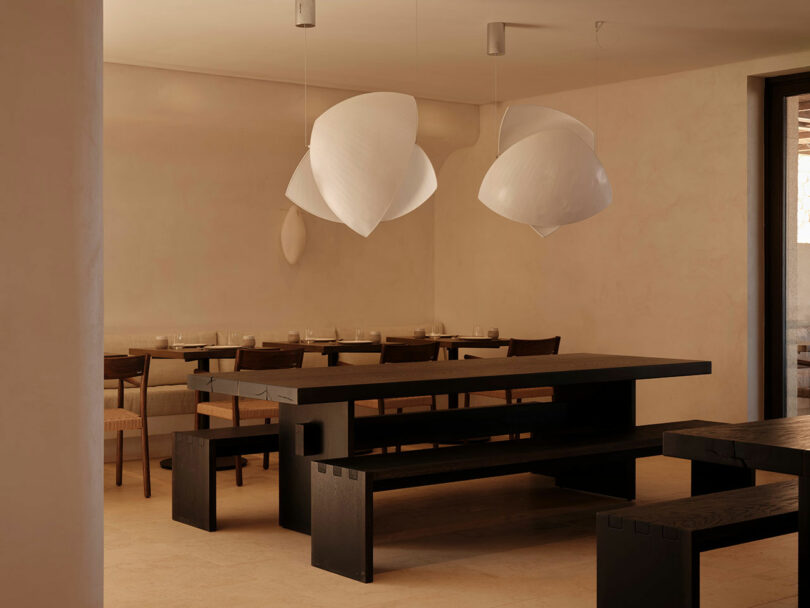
342 488
194 487
649 555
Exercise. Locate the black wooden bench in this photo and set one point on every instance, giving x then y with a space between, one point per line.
342 488
650 555
194 488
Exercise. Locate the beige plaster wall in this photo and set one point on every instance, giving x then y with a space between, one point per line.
195 172
664 271
50 301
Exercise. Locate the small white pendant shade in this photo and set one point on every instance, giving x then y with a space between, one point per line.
524 120
360 153
420 183
303 191
547 173
547 179
293 235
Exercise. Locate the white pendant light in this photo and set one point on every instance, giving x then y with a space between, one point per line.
363 165
360 153
547 173
293 235
547 179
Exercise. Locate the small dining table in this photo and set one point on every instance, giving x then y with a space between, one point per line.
781 445
331 349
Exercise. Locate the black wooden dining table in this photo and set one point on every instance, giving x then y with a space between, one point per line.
317 422
781 445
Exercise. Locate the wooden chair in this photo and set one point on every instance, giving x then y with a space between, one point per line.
242 408
522 348
404 352
135 371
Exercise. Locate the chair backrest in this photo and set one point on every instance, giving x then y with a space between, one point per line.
127 368
524 348
124 367
268 358
408 352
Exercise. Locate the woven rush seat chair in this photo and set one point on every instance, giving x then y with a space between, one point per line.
135 371
403 352
237 409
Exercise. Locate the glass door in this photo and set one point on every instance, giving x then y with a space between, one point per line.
787 245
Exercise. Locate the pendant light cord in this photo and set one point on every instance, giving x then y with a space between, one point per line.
597 25
306 77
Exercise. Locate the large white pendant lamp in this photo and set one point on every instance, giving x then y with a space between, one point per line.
547 174
363 165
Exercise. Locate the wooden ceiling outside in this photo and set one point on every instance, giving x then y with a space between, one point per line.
804 126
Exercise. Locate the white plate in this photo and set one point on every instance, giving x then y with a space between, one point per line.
355 342
322 340
217 346
441 335
474 338
185 345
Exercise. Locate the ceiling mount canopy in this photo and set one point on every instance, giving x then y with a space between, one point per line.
304 13
363 165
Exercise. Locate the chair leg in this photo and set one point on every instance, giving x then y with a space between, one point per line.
381 412
266 457
433 409
147 478
119 457
466 399
399 445
237 462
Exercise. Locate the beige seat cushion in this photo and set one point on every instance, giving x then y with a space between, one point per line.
119 419
520 393
166 400
397 403
248 409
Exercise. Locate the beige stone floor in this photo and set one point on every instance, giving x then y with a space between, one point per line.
512 541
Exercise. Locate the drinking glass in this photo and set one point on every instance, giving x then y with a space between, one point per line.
436 328
358 333
477 332
308 334
179 338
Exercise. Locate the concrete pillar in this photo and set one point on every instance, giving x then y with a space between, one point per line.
51 521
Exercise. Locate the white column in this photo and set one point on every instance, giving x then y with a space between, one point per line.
50 304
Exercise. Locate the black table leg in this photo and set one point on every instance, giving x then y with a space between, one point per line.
804 541
452 398
600 405
332 359
708 477
307 433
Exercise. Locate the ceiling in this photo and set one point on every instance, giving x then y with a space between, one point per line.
436 48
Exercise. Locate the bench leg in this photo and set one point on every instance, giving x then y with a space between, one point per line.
342 522
194 490
708 477
639 565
